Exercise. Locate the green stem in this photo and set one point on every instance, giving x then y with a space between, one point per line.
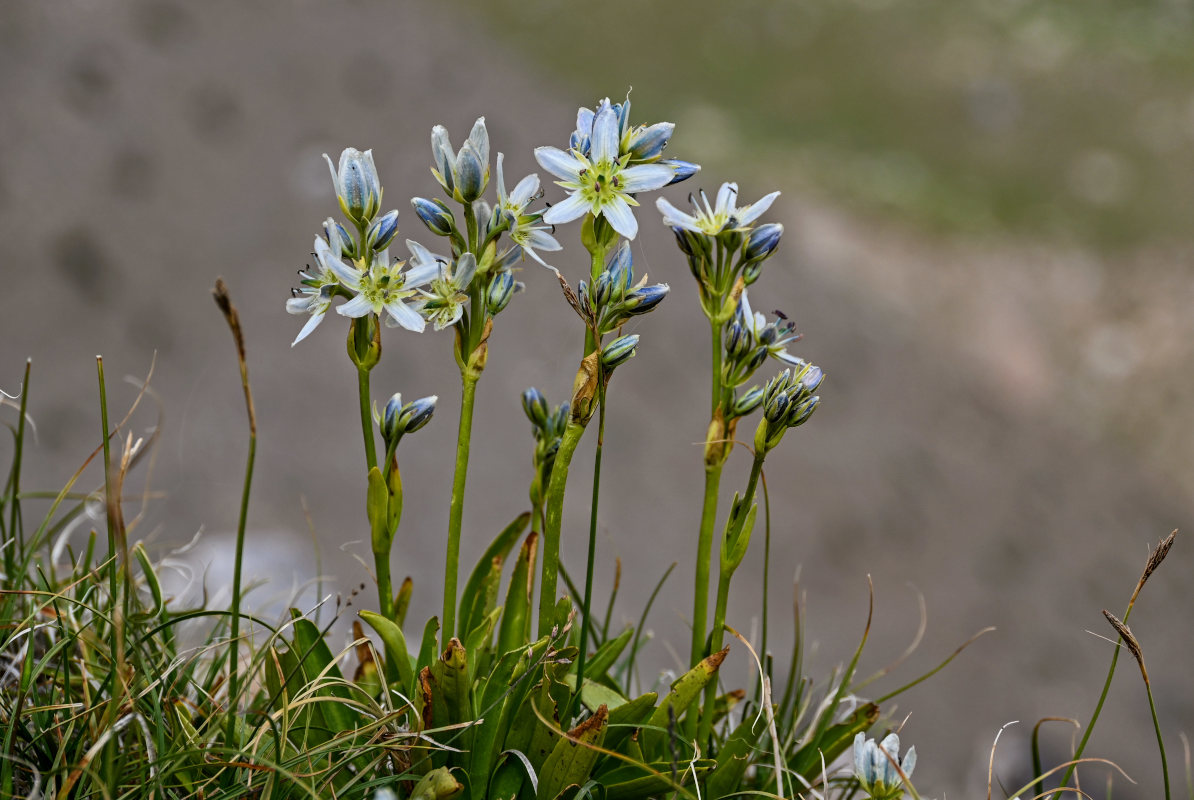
735 529
16 526
553 523
456 510
1094 718
366 418
700 600
233 644
385 585
586 622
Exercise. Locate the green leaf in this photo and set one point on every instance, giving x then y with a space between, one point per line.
499 549
636 781
449 676
377 506
515 627
684 691
573 757
607 654
493 689
734 757
833 741
399 669
317 659
595 694
624 719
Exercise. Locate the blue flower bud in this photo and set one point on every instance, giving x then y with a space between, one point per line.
799 413
338 238
640 301
646 144
470 173
416 414
357 184
381 231
777 385
619 351
501 289
535 406
811 377
748 402
435 215
389 418
602 288
776 407
683 169
762 242
620 266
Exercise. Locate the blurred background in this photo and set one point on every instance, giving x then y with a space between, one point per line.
988 239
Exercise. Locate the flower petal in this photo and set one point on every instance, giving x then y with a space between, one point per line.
572 207
675 218
727 195
584 120
620 217
526 189
558 163
421 274
606 136
644 177
311 325
543 241
332 169
755 210
347 275
466 267
406 316
358 306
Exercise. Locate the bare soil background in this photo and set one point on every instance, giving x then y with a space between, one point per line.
1005 423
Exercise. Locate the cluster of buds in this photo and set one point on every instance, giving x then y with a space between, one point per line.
877 767
722 244
614 297
788 402
399 419
359 267
477 248
547 425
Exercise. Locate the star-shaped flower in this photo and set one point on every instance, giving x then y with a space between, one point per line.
525 230
601 182
722 216
444 304
384 286
319 285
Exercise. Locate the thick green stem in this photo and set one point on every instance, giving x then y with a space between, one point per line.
366 418
456 511
553 523
735 529
700 598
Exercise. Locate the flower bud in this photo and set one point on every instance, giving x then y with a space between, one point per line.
777 407
762 242
339 239
435 215
646 144
535 406
619 351
777 385
381 231
811 377
799 413
640 301
416 414
751 272
470 173
501 289
748 402
357 184
738 339
683 169
602 289
389 418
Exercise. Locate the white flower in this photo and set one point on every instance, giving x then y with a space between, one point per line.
524 231
774 336
444 304
319 287
601 183
383 287
876 773
714 219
